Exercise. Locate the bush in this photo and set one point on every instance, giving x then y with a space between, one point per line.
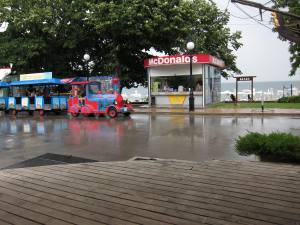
290 99
276 146
252 143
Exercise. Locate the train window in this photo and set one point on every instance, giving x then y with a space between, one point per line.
94 88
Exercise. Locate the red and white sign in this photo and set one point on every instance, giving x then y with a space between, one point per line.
4 72
183 59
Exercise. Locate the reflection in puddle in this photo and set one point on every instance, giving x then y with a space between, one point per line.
184 137
90 128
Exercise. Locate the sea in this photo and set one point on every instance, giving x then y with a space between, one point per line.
266 90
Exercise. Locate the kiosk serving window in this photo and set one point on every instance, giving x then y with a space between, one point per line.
176 83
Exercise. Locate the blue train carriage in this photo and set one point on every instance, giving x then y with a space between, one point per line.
25 98
3 96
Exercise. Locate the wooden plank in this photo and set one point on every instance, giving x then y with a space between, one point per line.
227 177
2 222
157 213
39 213
258 214
191 173
15 219
157 178
182 214
62 183
245 168
241 168
122 187
238 167
158 192
17 215
80 208
172 188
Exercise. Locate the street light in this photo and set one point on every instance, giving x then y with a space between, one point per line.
86 58
190 46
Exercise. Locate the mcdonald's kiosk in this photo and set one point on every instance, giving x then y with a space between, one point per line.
168 79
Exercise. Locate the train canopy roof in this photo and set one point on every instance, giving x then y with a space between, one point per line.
84 79
53 81
3 84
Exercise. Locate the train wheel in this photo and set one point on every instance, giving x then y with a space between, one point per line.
127 114
42 112
112 112
74 114
85 114
85 111
74 111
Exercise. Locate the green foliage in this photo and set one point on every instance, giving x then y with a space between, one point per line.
290 99
252 143
275 146
292 24
53 35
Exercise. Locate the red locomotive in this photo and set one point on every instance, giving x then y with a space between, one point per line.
100 97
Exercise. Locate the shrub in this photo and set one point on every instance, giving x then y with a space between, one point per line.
275 146
290 99
252 143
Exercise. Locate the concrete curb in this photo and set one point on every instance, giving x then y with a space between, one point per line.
221 113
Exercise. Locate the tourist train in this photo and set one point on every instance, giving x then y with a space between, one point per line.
77 96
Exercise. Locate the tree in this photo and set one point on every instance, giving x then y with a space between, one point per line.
292 25
53 35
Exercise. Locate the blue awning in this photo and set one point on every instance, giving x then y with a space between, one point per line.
3 84
53 81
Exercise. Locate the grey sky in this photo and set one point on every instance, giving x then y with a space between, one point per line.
262 54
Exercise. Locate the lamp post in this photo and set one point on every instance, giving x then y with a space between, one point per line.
86 58
190 46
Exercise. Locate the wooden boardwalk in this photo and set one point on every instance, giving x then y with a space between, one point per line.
152 192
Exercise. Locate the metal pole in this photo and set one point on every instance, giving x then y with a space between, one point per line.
191 98
291 89
283 91
149 88
262 101
252 89
203 87
236 91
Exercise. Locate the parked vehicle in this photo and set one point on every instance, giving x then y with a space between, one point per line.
36 95
97 98
3 96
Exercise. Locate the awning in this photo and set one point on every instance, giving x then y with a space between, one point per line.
82 79
3 84
53 81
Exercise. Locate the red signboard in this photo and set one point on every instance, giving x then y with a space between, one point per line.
183 59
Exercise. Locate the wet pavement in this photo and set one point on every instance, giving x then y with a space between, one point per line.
197 138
